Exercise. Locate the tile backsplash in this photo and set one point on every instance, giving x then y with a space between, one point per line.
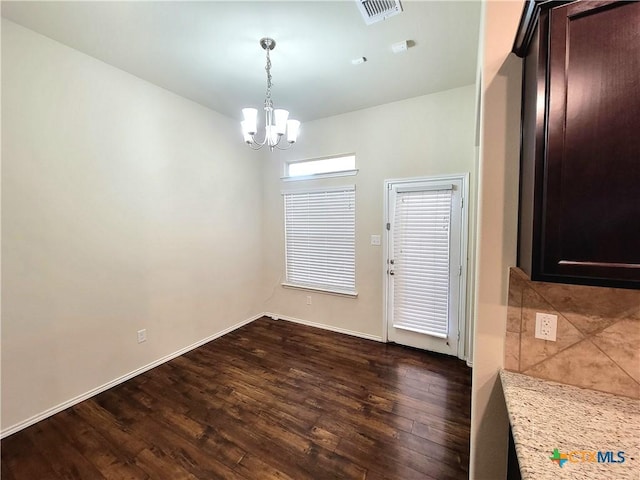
598 334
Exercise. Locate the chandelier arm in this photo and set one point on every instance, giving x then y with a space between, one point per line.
277 145
260 143
255 146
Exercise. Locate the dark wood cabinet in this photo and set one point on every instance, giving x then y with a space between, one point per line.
580 156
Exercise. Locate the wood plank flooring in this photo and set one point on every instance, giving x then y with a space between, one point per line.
271 400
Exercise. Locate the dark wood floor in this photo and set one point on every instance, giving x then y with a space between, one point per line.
270 400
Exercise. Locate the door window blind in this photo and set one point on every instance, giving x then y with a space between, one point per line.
421 261
320 239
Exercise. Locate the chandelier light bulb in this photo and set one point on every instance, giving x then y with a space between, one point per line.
293 127
250 120
281 120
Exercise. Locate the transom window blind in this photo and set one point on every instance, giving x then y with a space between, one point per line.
421 261
320 239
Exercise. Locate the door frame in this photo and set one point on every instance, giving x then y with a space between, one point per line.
464 253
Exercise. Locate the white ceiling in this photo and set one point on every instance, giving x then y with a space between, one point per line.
209 52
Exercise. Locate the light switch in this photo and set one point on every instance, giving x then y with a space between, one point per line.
375 239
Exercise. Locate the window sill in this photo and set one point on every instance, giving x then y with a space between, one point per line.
341 293
344 173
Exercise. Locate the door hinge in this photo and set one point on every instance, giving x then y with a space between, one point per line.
458 335
460 271
388 226
462 202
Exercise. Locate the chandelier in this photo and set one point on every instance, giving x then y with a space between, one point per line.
276 120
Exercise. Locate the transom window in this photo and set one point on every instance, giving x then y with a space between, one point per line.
321 167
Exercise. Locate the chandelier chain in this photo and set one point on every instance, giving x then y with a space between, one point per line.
268 69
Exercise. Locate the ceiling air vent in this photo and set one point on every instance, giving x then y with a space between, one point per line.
377 10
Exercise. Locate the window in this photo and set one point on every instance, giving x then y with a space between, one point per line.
321 167
320 239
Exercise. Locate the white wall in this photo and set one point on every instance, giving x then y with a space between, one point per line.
124 207
497 232
428 135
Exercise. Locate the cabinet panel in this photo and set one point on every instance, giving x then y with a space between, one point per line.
582 159
593 155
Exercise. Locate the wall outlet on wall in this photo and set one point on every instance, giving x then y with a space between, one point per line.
142 335
308 299
546 326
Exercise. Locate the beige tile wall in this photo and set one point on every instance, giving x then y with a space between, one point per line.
598 336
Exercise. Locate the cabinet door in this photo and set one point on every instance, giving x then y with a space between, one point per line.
591 197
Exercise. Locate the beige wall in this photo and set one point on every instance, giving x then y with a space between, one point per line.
428 135
497 232
598 334
123 207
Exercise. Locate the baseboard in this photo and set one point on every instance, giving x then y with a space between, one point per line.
323 326
69 403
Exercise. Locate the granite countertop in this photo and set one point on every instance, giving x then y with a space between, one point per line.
546 415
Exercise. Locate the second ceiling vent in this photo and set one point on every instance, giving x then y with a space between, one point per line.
377 10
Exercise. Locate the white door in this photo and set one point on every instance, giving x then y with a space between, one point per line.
425 263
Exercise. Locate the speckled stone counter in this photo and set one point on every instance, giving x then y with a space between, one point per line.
579 423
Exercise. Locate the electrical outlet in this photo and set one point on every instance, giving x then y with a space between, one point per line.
546 326
142 335
375 240
308 299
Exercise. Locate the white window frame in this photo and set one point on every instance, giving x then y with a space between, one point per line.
337 285
327 174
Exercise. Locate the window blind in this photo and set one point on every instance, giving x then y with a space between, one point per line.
320 239
421 261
